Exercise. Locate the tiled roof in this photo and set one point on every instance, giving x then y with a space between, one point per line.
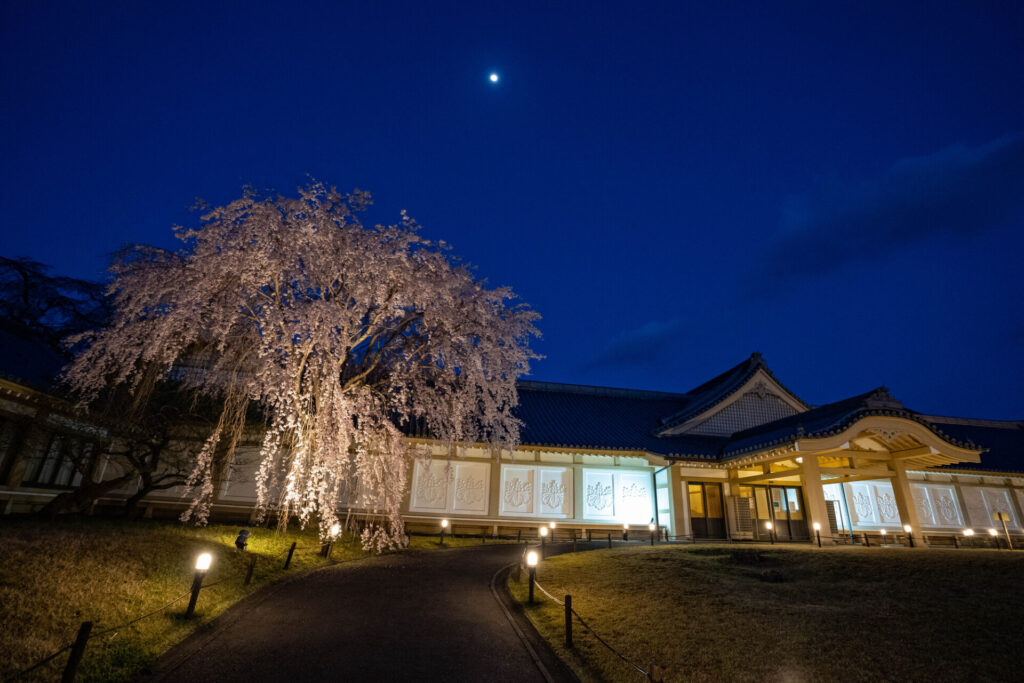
827 419
573 416
1003 442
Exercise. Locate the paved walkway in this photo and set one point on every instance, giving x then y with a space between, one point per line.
424 616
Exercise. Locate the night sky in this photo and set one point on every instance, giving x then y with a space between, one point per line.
672 186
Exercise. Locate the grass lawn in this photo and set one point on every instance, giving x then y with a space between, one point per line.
55 575
739 612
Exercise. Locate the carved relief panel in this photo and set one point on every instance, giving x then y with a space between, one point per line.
456 487
937 506
536 491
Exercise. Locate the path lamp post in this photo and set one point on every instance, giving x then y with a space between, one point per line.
993 533
882 542
531 564
543 540
652 528
444 526
817 532
332 536
771 533
625 532
910 536
968 533
202 566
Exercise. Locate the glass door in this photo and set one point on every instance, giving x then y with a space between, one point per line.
707 518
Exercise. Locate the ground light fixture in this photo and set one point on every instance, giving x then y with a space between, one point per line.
910 536
444 527
202 566
652 527
543 531
552 525
882 532
817 532
969 533
332 535
771 533
625 532
531 565
992 532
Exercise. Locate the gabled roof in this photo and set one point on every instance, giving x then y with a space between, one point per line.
716 390
827 420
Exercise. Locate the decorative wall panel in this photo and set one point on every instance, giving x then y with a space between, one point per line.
983 502
536 491
621 496
454 487
936 505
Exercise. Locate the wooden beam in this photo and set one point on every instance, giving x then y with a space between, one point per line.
768 475
856 471
913 452
847 480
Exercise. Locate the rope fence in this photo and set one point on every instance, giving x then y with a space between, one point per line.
85 634
653 673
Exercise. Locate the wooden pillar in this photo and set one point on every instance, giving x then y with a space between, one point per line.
905 501
494 482
814 500
680 503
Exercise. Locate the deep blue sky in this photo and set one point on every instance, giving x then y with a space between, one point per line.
671 185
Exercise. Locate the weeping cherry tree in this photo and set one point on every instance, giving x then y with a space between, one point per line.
340 337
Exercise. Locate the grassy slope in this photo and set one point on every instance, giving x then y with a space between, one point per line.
717 613
53 576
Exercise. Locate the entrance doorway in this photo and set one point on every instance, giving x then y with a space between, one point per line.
707 518
783 506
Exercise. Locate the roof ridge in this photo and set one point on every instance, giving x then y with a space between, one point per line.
975 421
592 390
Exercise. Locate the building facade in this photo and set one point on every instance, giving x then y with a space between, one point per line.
739 457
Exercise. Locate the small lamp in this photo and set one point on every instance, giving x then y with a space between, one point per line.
202 566
817 532
910 536
444 527
771 534
652 526
531 564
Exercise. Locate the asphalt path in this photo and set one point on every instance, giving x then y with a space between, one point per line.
413 616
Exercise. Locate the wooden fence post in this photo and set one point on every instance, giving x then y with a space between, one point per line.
291 551
77 650
568 621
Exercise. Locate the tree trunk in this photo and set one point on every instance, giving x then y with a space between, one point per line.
84 496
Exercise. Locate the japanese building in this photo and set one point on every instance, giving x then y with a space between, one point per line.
738 457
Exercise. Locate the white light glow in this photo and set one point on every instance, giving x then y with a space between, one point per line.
768 526
493 77
625 527
883 532
992 532
907 528
335 530
817 527
531 558
203 562
799 459
543 531
651 527
444 523
552 525
968 532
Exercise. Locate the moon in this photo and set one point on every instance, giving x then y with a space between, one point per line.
493 78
